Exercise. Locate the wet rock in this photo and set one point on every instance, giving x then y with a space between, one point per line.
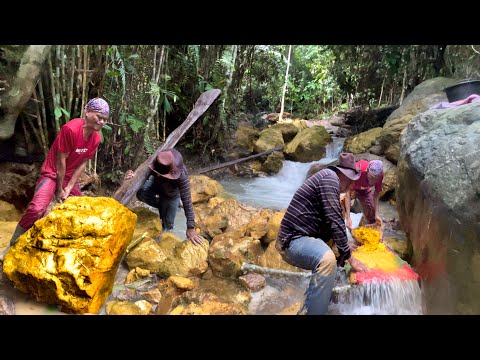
253 282
141 307
169 256
191 303
153 296
181 282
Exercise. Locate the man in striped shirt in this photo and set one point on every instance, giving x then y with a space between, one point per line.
313 217
167 183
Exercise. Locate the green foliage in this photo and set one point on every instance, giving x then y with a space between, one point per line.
323 79
117 65
104 132
59 111
134 123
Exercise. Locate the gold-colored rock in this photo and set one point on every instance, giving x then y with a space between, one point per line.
141 307
71 256
191 303
181 282
170 256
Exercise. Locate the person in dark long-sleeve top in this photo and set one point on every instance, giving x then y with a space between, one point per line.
313 217
167 183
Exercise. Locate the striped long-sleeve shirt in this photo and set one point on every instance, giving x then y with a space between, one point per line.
171 188
315 211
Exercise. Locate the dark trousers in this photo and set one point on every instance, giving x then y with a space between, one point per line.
167 207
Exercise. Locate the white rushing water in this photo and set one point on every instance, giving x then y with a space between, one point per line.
276 191
394 297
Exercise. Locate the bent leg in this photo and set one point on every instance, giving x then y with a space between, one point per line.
168 210
366 201
42 196
315 255
147 193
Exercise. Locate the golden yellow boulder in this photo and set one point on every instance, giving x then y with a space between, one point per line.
71 256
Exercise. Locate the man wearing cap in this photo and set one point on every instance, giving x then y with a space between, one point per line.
313 217
67 158
167 183
367 190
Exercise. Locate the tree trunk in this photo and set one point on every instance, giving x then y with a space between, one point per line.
22 87
285 85
126 191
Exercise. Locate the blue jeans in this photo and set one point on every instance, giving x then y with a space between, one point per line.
167 207
314 254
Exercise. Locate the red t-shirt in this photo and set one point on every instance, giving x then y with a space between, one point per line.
362 183
70 141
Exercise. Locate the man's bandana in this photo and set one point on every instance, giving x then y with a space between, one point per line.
98 105
375 168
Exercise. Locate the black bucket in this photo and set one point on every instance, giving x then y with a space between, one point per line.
462 90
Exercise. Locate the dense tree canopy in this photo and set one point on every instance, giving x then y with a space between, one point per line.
152 88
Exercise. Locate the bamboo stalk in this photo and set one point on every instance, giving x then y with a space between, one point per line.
58 83
403 84
43 142
381 91
44 114
26 135
35 132
52 85
71 81
84 80
95 162
61 75
135 242
79 79
63 82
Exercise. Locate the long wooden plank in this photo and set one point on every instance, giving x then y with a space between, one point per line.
129 187
219 166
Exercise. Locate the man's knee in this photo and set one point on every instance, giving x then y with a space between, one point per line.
39 208
140 194
327 264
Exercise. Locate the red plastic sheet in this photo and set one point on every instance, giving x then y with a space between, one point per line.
403 273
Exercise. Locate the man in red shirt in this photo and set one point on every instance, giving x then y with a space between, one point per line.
67 158
367 190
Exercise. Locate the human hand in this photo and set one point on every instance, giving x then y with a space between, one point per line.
59 195
66 192
352 246
129 174
194 237
348 224
357 265
378 220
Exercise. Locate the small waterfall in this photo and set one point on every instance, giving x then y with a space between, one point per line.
334 149
394 297
276 191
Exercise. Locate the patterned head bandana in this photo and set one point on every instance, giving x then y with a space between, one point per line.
375 168
98 105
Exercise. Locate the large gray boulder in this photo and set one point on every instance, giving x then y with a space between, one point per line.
438 203
426 94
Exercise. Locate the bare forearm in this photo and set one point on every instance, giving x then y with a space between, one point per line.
347 204
61 165
76 175
377 196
